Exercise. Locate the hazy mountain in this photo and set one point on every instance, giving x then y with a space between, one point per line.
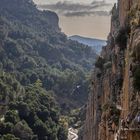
96 44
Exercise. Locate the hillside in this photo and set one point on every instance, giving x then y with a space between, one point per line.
34 46
113 108
96 44
42 73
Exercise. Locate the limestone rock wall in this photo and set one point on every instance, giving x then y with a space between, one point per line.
115 94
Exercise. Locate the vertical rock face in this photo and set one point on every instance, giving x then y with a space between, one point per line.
113 105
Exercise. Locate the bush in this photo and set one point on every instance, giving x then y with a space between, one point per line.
6 128
100 62
12 116
108 65
136 53
9 137
23 131
137 79
134 16
121 38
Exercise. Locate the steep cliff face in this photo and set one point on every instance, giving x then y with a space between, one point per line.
113 107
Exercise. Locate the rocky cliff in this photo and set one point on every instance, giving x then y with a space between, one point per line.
113 108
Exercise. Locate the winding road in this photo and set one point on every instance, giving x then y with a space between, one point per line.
72 134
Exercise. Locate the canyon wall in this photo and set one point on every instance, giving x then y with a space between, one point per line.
113 108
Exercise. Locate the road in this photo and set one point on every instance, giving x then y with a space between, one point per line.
72 134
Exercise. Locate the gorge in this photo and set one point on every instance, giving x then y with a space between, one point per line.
45 76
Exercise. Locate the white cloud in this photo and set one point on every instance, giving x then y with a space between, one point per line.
74 1
69 8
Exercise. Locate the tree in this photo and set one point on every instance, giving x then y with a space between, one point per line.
12 116
9 137
23 131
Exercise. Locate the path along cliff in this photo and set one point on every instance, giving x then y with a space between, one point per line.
113 109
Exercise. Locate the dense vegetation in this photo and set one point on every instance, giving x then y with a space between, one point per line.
38 65
32 112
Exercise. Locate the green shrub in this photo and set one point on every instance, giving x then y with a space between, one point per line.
9 137
136 52
121 38
134 16
12 116
137 79
100 63
108 65
6 128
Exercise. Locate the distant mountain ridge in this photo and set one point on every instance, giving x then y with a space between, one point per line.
96 44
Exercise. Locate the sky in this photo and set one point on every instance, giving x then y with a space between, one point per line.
88 18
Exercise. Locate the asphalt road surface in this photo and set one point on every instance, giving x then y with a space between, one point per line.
72 134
